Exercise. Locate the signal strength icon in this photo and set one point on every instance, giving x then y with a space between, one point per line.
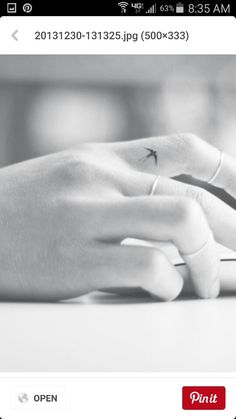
152 9
123 5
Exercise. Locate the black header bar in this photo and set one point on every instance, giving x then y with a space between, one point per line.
116 8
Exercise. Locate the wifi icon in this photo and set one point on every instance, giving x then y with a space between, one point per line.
123 5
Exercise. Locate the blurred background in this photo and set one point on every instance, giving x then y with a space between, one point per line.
49 103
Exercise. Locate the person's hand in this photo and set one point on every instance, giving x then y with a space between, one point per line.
64 216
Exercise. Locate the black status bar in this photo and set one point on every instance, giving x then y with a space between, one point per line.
116 8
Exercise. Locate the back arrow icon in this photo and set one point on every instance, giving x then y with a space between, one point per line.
14 35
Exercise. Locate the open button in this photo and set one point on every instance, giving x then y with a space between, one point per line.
38 398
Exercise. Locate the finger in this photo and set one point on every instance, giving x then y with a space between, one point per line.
180 154
221 218
140 267
180 220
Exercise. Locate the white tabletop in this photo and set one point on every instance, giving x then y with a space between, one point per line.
107 333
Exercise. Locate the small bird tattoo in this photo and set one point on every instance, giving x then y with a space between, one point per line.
151 153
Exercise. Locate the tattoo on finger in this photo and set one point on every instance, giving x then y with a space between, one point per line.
151 153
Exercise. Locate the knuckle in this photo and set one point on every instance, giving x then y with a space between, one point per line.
188 211
196 193
189 144
186 146
85 167
203 197
189 140
74 165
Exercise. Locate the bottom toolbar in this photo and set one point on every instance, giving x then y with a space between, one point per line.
119 395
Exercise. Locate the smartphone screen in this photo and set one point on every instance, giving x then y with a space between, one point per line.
117 210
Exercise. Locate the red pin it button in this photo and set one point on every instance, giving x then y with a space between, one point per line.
203 398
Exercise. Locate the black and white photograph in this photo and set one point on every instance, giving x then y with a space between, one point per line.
117 213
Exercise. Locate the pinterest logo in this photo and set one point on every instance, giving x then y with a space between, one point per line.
27 8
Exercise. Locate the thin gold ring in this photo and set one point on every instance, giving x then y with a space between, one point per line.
154 185
218 169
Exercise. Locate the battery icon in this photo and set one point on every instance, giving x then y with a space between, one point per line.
179 8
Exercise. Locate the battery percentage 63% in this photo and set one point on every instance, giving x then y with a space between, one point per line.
167 8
